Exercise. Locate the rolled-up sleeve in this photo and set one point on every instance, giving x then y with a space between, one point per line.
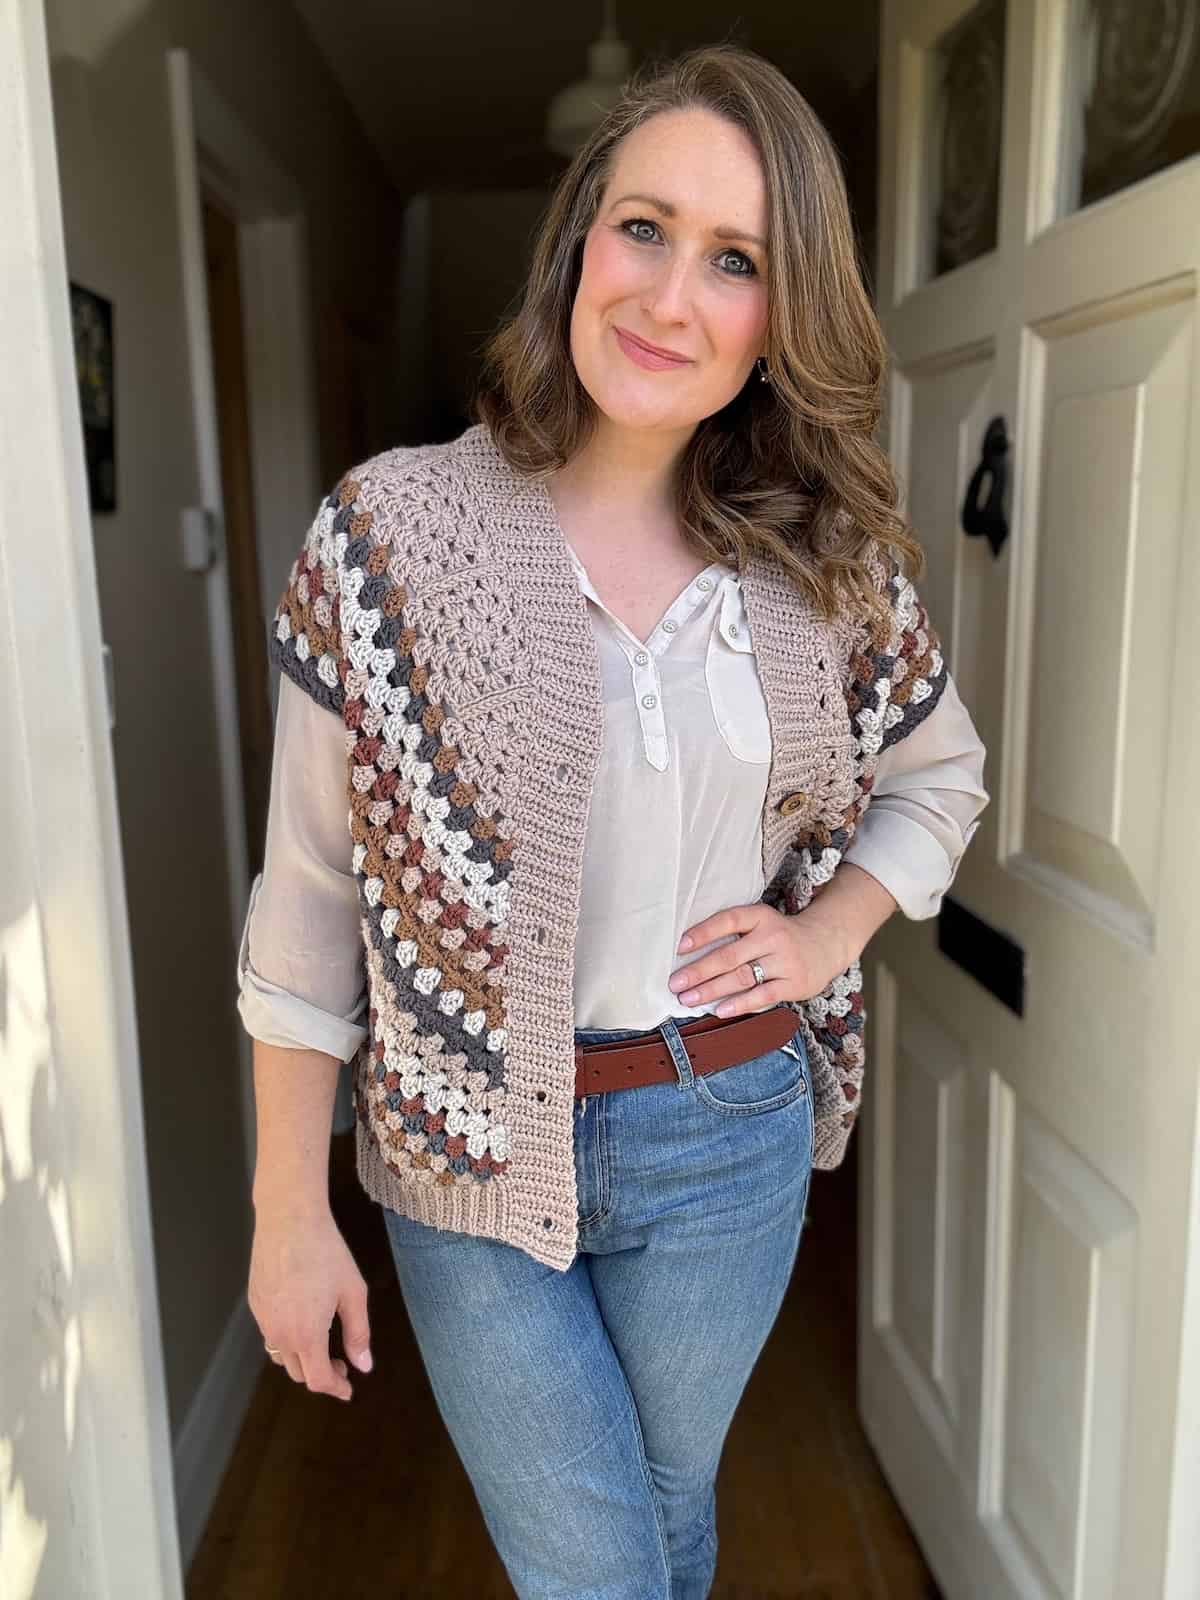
300 971
926 803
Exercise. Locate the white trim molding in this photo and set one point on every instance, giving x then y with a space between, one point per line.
86 1493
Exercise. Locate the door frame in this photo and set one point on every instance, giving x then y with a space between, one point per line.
72 1113
215 150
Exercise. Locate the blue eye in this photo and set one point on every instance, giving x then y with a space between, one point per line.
752 269
748 270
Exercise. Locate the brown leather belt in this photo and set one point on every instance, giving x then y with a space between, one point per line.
711 1042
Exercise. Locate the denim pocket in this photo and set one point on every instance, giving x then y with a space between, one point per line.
764 1083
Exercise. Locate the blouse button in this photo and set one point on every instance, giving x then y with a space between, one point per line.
649 701
733 630
704 583
641 658
669 627
792 802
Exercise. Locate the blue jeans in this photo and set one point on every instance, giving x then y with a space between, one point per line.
590 1407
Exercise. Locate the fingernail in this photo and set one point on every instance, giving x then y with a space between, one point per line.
689 999
685 943
364 1361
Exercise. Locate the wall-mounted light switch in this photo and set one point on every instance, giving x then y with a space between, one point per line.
110 687
198 534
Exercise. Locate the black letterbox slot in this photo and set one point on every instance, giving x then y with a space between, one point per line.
991 957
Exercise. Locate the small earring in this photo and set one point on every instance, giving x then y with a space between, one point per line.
761 364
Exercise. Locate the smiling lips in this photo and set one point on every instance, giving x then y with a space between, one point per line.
652 357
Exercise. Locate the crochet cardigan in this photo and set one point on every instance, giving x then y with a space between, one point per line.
433 606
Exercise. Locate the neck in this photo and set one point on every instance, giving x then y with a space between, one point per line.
624 473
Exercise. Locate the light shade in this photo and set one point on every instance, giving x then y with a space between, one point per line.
576 111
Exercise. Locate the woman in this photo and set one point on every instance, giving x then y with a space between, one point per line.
641 732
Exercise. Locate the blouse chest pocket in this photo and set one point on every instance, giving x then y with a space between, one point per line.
735 690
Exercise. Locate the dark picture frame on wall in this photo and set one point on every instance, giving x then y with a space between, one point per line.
92 331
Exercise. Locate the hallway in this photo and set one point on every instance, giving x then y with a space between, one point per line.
804 1513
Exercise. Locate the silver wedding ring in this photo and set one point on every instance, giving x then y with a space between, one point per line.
759 975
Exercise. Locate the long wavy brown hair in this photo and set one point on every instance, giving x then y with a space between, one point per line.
788 467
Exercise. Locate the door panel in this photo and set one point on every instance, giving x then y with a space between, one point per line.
919 1283
1028 1180
948 406
1113 463
1066 1390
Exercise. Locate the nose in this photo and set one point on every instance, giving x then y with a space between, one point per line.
668 295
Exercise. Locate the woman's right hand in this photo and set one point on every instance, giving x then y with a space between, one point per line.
302 1275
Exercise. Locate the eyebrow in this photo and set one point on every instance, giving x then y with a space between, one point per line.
668 210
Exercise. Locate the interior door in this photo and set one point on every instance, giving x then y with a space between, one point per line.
1028 1205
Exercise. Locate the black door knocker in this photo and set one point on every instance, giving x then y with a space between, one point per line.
984 514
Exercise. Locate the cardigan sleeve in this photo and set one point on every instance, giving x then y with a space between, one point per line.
306 634
920 759
926 802
300 972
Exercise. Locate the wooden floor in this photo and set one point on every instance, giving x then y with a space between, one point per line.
322 1500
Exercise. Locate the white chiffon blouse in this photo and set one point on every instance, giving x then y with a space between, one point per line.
674 830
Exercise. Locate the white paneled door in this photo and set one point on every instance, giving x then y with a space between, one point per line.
1029 1338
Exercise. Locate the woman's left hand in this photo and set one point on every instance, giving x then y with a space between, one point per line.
800 954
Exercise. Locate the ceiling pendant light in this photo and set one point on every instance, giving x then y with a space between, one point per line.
576 111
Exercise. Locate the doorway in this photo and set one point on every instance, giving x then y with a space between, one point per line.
226 324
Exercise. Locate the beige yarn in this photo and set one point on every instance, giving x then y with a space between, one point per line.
481 590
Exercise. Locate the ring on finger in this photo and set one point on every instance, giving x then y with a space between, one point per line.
759 975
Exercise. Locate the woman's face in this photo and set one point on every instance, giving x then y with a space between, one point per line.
676 257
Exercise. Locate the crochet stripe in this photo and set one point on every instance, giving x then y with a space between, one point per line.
432 871
894 683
